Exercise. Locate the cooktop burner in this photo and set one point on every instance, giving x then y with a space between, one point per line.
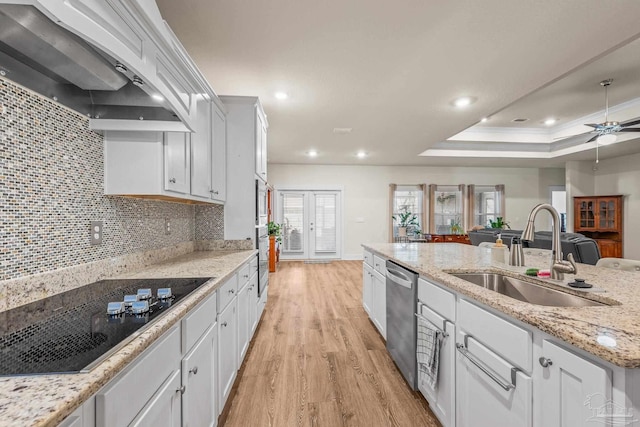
72 331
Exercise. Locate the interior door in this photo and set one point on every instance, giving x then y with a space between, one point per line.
311 222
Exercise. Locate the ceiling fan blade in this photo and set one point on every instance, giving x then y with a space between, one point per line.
630 123
593 125
560 138
593 138
629 130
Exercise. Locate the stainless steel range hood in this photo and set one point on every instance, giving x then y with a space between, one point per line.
46 58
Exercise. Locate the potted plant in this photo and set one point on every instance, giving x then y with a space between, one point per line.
275 231
499 223
405 219
456 227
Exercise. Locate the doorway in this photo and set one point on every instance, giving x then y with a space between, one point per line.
311 224
558 199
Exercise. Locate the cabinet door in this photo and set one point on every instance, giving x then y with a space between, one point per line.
199 380
201 148
244 324
585 214
367 288
177 162
575 391
163 410
608 211
253 303
609 248
219 160
261 146
227 351
380 303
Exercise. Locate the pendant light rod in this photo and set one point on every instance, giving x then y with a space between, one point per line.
605 84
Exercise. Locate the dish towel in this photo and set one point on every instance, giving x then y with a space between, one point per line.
428 354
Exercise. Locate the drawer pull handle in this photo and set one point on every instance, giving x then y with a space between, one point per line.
172 180
194 370
544 362
462 348
442 330
246 276
181 390
224 324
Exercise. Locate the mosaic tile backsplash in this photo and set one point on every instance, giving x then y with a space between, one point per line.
51 188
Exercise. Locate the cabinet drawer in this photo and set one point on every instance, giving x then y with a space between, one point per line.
198 321
227 292
368 258
380 265
243 275
508 340
438 299
121 400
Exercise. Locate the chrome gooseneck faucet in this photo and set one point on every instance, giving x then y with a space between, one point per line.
558 266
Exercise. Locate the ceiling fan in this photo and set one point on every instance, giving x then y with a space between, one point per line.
605 132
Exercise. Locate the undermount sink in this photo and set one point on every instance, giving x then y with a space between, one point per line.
526 291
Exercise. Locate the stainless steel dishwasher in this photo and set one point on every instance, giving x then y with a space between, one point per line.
402 292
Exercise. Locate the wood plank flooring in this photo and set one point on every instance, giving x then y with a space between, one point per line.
317 360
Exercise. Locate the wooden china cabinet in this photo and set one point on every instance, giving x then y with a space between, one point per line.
600 217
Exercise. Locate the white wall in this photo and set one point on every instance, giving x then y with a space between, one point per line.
580 181
366 191
621 175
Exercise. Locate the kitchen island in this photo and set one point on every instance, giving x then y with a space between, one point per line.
45 400
513 362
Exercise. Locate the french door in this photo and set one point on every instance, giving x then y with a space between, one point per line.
311 224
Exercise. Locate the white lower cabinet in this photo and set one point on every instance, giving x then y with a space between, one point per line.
379 305
367 287
253 303
199 366
163 410
575 391
227 355
489 390
244 322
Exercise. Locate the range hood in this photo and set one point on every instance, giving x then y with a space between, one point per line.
37 53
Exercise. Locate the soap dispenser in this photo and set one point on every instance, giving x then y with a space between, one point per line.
499 251
516 256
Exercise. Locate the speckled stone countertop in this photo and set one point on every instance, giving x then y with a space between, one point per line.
579 326
45 400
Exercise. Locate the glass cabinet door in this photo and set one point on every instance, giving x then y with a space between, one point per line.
587 214
607 214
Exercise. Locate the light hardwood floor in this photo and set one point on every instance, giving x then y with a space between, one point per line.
317 360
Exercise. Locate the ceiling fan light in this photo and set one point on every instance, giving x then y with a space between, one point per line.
607 139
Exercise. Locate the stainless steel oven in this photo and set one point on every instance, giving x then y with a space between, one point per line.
262 240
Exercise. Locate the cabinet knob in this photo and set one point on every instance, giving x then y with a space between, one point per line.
172 180
250 287
544 362
181 390
194 370
224 324
246 276
231 291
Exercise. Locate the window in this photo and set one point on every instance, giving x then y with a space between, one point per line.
486 202
407 199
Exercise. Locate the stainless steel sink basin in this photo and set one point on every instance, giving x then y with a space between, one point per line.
526 291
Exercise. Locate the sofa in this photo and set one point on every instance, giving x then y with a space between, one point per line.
584 249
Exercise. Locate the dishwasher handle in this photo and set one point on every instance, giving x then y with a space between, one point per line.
462 348
398 277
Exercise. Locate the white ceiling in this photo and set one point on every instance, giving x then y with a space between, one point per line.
390 70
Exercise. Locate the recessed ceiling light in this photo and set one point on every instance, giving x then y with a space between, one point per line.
484 119
312 153
281 95
361 154
550 121
157 97
463 101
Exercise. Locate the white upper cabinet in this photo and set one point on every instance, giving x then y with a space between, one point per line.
219 154
261 145
201 152
177 161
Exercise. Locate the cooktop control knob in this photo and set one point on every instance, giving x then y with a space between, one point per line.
164 293
140 307
130 299
115 308
144 294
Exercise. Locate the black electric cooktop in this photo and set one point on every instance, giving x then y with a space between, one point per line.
69 332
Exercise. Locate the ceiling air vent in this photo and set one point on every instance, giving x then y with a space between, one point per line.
519 120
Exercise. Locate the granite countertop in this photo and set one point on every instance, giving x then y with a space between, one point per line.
45 400
582 327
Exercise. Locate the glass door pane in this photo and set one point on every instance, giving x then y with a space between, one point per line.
293 223
323 226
